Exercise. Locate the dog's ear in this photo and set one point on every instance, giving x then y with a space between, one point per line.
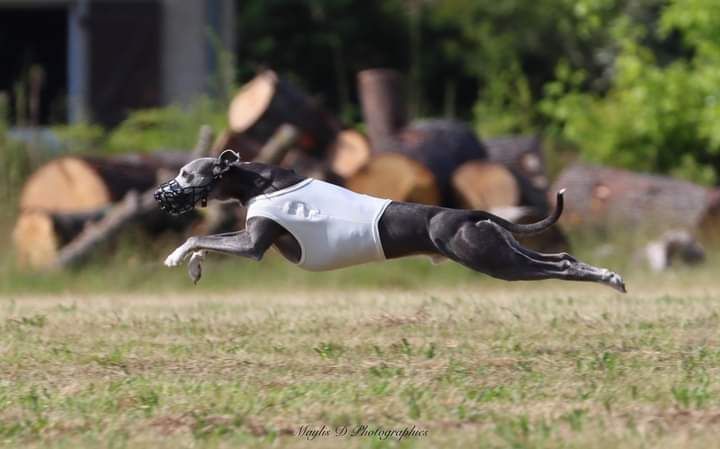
225 160
229 157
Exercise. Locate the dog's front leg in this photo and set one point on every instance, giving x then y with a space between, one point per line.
181 252
251 242
239 243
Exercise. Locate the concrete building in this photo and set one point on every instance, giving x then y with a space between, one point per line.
99 59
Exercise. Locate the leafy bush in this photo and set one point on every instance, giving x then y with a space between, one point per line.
511 49
659 114
172 127
80 137
506 105
145 130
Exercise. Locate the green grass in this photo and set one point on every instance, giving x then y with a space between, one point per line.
124 271
134 265
127 273
481 365
124 352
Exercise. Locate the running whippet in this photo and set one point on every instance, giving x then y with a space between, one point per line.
321 226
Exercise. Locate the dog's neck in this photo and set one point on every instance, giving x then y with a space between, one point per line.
248 180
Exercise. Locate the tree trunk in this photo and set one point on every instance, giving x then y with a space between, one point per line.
278 146
35 239
438 146
246 147
74 183
709 226
485 185
495 188
553 240
397 177
441 146
523 154
382 97
39 235
602 198
61 197
349 153
132 207
267 102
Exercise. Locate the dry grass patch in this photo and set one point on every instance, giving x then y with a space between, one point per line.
534 365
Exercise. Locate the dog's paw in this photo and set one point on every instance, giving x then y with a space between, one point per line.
615 281
172 260
175 258
195 266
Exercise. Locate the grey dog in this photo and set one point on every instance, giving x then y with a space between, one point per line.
476 239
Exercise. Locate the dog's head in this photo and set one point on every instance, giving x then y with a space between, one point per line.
194 183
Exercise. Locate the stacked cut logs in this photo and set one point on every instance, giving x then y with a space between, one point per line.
523 157
268 101
430 150
466 173
72 204
394 176
442 162
322 148
485 185
64 195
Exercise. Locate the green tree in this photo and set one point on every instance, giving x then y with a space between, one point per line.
511 50
321 44
660 113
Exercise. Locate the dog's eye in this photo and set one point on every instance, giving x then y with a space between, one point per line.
187 176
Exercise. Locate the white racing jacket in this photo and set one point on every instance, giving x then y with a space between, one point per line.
335 227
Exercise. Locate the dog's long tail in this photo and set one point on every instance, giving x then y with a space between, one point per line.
532 228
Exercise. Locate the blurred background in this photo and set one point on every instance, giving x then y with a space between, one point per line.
461 103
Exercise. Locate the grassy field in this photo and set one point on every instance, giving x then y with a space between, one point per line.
479 364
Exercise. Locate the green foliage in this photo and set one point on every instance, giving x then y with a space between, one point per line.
659 114
14 159
172 127
321 44
80 137
146 130
510 50
506 105
450 50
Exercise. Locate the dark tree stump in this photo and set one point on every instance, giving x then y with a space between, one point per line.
267 102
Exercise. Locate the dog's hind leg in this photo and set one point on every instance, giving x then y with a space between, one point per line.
548 257
486 247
